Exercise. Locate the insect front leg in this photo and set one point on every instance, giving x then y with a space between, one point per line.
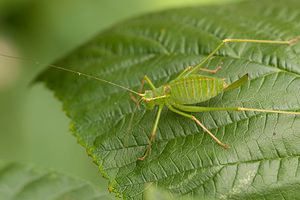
153 130
198 122
136 101
145 78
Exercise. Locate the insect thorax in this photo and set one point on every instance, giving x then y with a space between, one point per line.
195 89
156 96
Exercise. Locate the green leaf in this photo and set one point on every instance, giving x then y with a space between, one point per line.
263 161
158 194
23 181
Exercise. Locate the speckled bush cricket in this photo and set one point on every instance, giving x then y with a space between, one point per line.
187 89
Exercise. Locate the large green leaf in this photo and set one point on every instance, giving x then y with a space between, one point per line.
28 182
157 194
263 161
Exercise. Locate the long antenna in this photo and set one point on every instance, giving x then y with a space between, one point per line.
70 70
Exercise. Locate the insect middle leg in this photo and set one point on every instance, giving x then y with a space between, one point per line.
200 69
198 122
207 70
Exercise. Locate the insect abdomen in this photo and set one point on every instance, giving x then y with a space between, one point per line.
195 89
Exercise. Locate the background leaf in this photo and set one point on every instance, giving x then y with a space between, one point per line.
263 159
20 181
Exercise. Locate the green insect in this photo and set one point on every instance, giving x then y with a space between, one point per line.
187 89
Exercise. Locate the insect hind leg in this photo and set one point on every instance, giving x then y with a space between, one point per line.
225 41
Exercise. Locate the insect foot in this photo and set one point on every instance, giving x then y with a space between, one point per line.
136 101
294 40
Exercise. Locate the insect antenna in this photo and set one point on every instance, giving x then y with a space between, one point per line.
70 70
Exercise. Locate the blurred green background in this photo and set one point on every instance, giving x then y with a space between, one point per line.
33 127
